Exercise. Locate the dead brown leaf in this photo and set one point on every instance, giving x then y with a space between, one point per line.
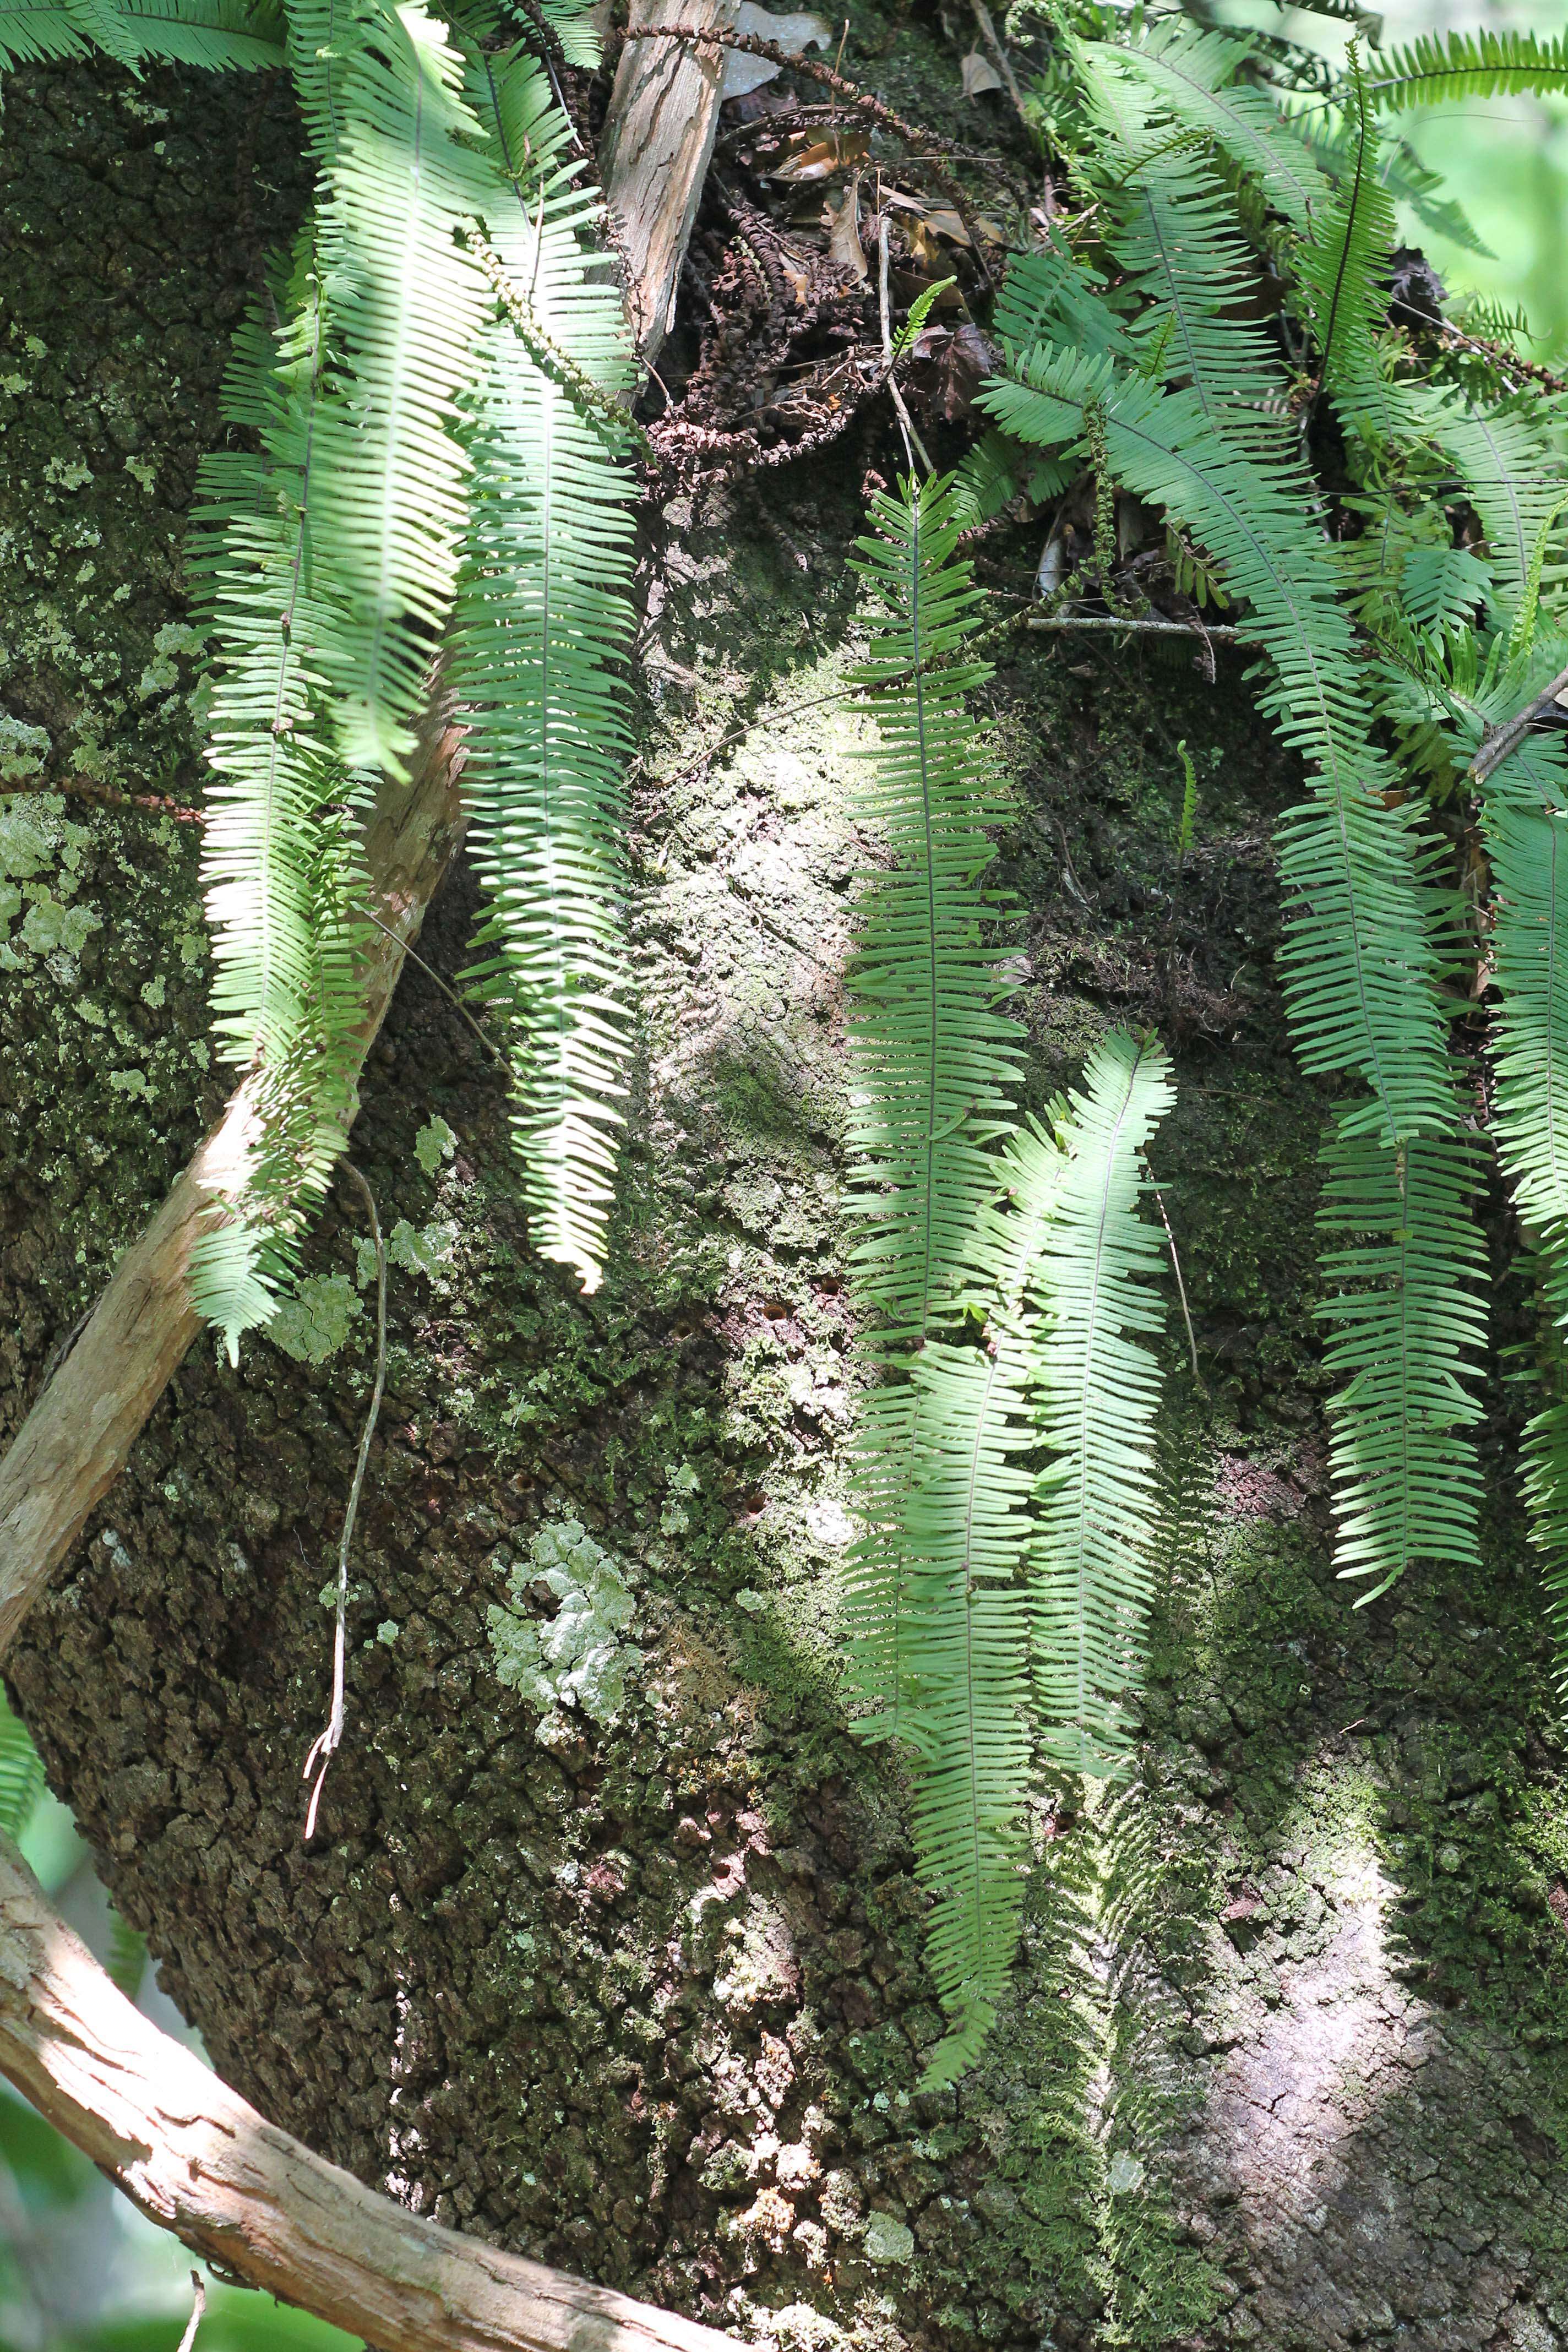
843 224
980 75
821 158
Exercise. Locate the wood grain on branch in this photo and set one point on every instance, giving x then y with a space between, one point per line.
200 2162
75 1439
663 118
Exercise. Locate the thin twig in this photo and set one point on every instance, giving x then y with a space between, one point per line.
1222 633
1181 1286
106 796
447 990
198 2310
325 1746
912 441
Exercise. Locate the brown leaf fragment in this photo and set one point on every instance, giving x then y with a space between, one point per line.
980 75
842 222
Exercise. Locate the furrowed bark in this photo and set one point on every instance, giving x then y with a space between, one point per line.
75 1440
198 2161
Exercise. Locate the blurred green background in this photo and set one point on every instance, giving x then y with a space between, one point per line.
1504 160
79 2271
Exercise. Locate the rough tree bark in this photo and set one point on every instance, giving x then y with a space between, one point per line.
640 1992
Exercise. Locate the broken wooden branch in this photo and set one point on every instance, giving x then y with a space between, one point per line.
663 118
75 1439
197 2160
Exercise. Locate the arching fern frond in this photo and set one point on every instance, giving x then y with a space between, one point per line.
221 36
1472 64
280 862
1194 75
1171 225
1343 265
1360 965
1513 476
543 622
1094 1385
1363 954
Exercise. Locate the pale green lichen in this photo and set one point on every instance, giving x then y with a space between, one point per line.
161 677
434 1143
23 751
432 1252
579 1657
315 1321
888 2240
48 925
69 472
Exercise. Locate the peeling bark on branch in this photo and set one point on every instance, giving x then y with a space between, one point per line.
198 2161
75 1440
664 114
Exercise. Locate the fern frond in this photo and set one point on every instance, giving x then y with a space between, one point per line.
1173 228
1195 76
1343 267
933 1057
1364 952
1406 1317
1514 477
1360 965
126 1963
1049 296
1335 142
1442 587
219 36
995 471
408 304
21 1773
1473 64
964 1532
1096 1387
1525 813
43 34
281 870
542 622
103 23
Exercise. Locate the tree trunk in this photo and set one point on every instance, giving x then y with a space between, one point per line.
628 1977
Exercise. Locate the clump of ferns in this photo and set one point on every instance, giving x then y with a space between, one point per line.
431 456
